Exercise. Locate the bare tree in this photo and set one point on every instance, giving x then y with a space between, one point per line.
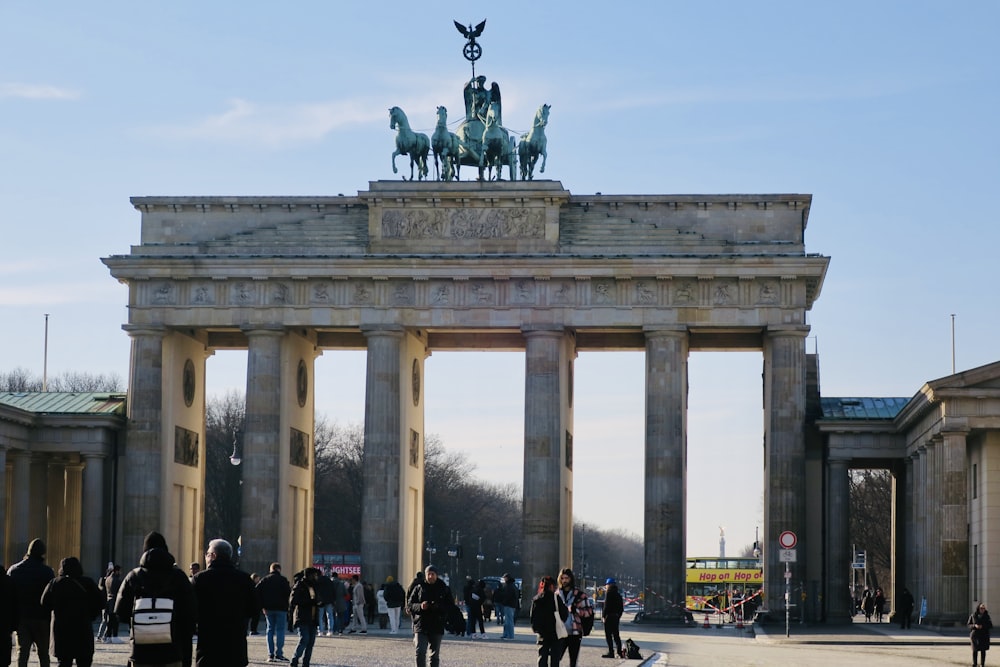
871 522
22 380
224 421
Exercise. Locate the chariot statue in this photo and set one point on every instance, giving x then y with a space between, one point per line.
480 140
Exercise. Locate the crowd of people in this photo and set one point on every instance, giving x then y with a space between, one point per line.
203 617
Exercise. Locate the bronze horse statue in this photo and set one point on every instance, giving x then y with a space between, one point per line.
408 142
532 145
448 146
498 148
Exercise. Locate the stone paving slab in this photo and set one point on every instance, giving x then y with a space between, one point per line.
379 648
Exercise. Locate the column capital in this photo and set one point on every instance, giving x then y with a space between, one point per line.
136 330
556 330
665 332
790 330
393 330
955 426
263 329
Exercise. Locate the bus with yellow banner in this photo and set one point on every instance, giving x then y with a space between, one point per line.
729 586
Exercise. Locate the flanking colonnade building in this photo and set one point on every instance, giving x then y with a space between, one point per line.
404 269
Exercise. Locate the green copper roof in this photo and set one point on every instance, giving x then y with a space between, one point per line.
69 402
862 408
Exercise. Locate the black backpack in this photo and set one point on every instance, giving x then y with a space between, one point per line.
632 650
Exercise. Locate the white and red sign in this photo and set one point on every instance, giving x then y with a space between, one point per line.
787 540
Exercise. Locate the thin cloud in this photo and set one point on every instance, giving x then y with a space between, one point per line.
37 91
274 126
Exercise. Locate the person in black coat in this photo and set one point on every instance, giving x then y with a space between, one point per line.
614 607
226 601
303 606
75 602
430 602
905 609
159 576
980 624
30 577
543 622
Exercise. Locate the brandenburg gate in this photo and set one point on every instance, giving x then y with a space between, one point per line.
407 268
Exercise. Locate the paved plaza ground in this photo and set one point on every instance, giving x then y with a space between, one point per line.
883 644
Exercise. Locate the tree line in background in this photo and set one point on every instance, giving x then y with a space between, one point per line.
23 380
462 513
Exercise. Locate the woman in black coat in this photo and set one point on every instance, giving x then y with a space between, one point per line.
543 621
75 602
614 607
980 624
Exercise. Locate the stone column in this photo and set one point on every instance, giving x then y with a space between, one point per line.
261 449
71 515
547 510
666 469
38 509
4 536
57 529
784 455
839 605
143 481
932 531
901 496
92 514
954 502
918 555
20 498
383 414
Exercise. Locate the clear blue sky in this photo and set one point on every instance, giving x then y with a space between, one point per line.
886 112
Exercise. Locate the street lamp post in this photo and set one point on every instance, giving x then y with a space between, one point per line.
499 557
480 556
431 549
455 552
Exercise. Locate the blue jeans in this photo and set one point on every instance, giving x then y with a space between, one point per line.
307 639
508 622
276 623
421 641
327 618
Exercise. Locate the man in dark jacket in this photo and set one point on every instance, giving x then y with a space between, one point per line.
273 592
226 601
429 603
75 602
30 577
157 576
8 617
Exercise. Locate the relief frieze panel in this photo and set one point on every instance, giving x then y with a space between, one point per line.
463 223
243 293
203 294
685 293
164 294
482 293
279 294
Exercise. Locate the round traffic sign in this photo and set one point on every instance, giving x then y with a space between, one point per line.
787 540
